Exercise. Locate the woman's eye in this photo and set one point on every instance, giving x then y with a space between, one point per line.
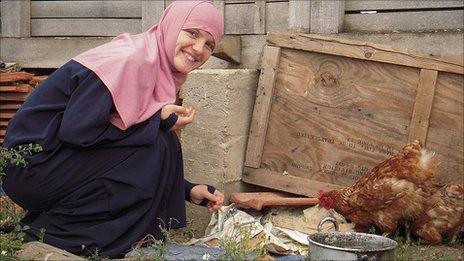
192 33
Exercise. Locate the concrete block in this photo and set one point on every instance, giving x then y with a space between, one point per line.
214 144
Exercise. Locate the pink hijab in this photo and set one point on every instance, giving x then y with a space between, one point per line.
138 69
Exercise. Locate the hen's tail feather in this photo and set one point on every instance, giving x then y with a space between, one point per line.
427 160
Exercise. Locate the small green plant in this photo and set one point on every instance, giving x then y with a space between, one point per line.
403 250
15 156
149 242
160 250
235 246
12 242
41 234
93 255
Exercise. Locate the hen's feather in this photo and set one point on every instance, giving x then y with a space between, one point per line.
393 192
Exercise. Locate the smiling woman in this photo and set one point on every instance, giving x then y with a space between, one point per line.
193 48
111 169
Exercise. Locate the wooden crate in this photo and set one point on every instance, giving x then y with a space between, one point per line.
329 109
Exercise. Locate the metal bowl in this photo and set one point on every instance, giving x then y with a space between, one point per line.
349 245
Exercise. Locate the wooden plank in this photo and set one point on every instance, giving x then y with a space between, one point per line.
286 183
4 106
6 115
15 77
242 18
423 106
15 18
327 16
37 80
364 5
446 125
229 49
362 50
16 88
276 19
151 13
13 96
86 9
404 21
259 25
264 96
299 15
84 27
3 123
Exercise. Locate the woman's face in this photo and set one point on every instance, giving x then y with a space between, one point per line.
193 48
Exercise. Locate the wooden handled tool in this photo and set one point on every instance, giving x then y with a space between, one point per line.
258 200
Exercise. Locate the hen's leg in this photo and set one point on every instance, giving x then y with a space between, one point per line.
407 228
454 236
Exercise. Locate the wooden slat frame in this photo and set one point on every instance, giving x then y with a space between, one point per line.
288 183
363 5
362 50
16 16
404 21
84 27
262 108
86 9
423 106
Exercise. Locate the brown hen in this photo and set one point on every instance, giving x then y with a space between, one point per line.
443 217
392 193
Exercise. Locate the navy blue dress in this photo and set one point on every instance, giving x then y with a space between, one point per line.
94 186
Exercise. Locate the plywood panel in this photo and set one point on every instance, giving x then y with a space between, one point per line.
335 115
404 21
87 9
84 27
327 114
445 134
363 5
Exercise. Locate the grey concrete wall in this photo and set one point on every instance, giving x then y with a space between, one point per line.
214 144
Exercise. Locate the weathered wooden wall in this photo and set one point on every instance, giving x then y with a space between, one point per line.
43 24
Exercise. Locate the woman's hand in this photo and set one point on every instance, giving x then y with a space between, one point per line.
200 192
185 115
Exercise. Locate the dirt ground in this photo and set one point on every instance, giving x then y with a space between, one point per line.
437 253
411 252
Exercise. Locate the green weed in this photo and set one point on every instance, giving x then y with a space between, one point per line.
236 246
12 242
15 156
